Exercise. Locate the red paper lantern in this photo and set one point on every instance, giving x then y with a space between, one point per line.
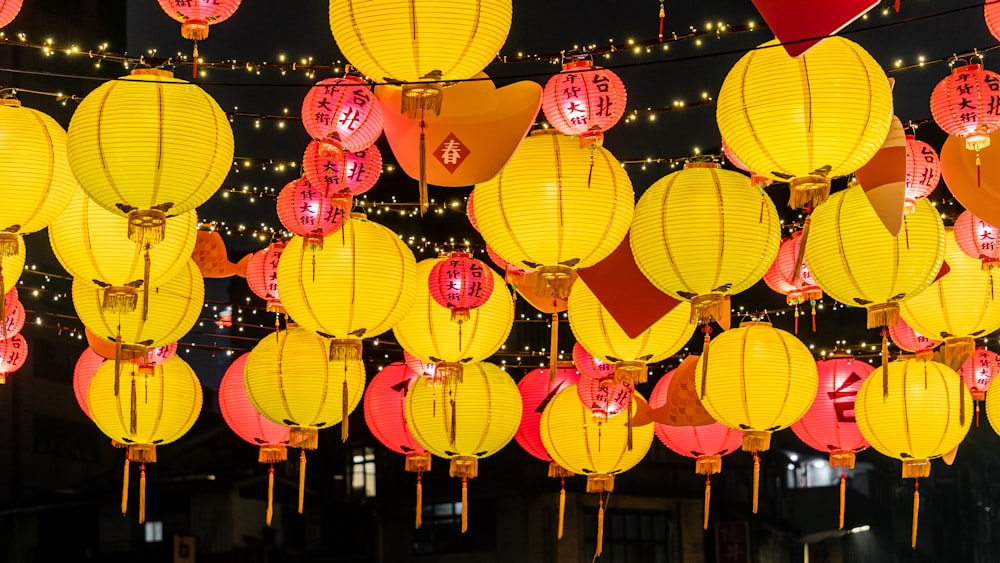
604 396
923 172
964 104
311 212
908 339
978 372
536 391
426 370
342 114
83 372
992 14
262 275
796 286
13 354
977 238
195 17
590 365
160 354
460 283
584 100
9 10
344 173
14 313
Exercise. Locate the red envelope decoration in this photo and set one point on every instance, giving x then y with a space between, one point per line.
473 137
883 178
801 24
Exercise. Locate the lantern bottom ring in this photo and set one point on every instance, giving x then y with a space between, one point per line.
756 441
915 468
9 245
600 483
418 462
808 191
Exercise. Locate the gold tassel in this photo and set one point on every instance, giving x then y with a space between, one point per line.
562 509
302 478
600 527
145 284
133 413
423 168
118 359
554 346
125 488
194 61
628 424
451 434
885 363
756 480
704 360
708 500
465 504
3 304
270 496
344 409
420 503
142 493
843 489
916 514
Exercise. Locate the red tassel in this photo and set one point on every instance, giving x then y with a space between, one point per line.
897 6
662 15
194 67
796 319
813 303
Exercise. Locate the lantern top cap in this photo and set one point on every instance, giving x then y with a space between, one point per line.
967 68
755 323
359 216
12 102
577 64
459 254
151 72
714 165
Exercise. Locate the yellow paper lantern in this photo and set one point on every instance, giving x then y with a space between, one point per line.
428 332
11 267
174 308
428 42
555 207
758 379
958 307
856 261
601 335
35 170
580 443
702 233
87 240
360 285
149 146
156 407
829 118
925 415
466 420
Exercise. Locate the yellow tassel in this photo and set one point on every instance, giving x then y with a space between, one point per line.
756 480
553 347
704 361
562 509
420 503
885 363
916 514
628 424
708 501
145 284
118 359
843 489
134 412
142 493
422 157
270 496
465 504
125 488
344 409
302 478
600 528
3 305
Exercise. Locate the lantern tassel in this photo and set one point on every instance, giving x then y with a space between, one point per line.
3 306
302 478
977 414
662 15
885 363
453 417
133 425
142 493
916 513
553 347
796 319
801 255
756 480
843 489
420 503
125 488
813 314
145 283
270 496
465 504
562 508
708 500
600 527
628 424
423 167
344 408
194 60
118 358
961 403
704 360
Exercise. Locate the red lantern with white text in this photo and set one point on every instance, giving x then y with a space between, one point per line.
584 100
342 114
460 282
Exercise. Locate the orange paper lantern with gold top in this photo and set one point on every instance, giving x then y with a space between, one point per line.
925 415
584 445
465 420
702 233
602 336
958 307
149 146
158 409
555 207
840 109
758 379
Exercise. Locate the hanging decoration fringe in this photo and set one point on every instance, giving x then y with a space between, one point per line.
120 298
885 363
145 283
708 500
843 490
302 479
600 526
883 314
270 496
756 480
562 508
133 411
808 191
554 347
303 437
704 360
344 408
142 493
125 488
420 503
465 504
422 157
916 513
663 14
3 303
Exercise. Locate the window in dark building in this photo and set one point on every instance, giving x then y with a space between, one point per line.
361 472
441 531
629 536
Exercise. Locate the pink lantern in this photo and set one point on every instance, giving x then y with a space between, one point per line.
964 104
160 354
9 10
798 286
426 370
83 372
311 212
978 372
992 15
262 275
13 313
197 16
923 172
908 339
13 354
460 282
584 100
590 365
604 396
342 114
344 173
537 390
755 178
977 238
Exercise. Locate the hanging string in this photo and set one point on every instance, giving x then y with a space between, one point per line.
344 407
553 347
813 314
3 304
302 478
270 495
422 157
118 357
145 283
797 318
885 362
704 359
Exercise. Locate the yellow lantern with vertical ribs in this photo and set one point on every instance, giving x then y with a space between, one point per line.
555 207
830 117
